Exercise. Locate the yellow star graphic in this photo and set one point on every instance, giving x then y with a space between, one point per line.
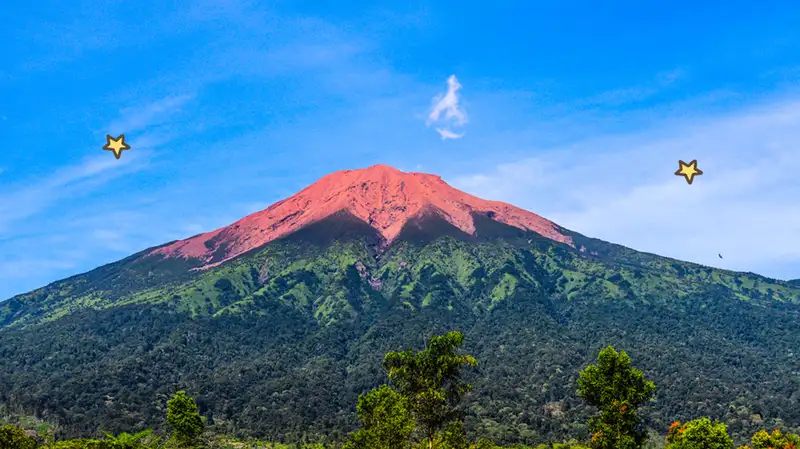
688 171
116 145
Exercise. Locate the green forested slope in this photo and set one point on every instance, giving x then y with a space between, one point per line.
279 343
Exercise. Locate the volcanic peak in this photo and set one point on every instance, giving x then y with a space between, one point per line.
382 196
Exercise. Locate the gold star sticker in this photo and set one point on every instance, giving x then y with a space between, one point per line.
116 145
688 171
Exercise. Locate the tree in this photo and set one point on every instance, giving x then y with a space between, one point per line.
431 380
699 434
485 443
617 390
775 440
386 422
12 437
453 435
126 440
183 417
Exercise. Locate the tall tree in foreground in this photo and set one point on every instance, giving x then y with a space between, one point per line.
432 381
617 390
184 419
699 434
386 421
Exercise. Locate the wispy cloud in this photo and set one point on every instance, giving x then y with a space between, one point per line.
113 240
637 93
623 189
37 195
447 112
34 197
24 267
75 217
149 114
447 134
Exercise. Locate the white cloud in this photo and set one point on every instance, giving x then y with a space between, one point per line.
114 240
22 268
33 197
448 104
147 115
447 112
447 134
623 189
616 97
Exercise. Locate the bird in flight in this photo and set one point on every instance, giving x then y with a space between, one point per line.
720 256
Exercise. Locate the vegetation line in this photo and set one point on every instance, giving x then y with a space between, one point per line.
421 408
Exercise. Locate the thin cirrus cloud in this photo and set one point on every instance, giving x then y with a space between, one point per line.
82 179
151 114
447 112
35 197
617 97
60 208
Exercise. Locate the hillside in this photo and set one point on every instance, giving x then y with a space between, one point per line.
277 322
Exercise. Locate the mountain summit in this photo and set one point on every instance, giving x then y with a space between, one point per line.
383 197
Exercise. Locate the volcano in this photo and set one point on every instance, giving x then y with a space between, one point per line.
277 322
381 196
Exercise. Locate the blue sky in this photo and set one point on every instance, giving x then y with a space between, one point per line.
577 112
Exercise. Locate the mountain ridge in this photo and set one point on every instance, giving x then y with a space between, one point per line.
382 196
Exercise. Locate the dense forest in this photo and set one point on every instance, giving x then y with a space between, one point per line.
421 407
280 343
282 378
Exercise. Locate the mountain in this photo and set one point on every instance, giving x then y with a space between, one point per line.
383 197
277 322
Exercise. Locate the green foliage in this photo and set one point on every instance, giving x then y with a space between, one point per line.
484 443
618 390
126 440
775 440
431 389
699 434
12 437
453 436
613 382
571 445
386 421
80 444
432 381
184 419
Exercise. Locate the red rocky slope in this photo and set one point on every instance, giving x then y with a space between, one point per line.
382 196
